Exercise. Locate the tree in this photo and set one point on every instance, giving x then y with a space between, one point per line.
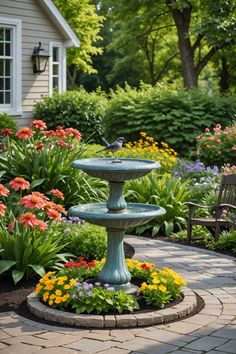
213 28
83 18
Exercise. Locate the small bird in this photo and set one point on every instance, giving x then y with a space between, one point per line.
114 147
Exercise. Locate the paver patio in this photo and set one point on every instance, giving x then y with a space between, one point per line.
213 330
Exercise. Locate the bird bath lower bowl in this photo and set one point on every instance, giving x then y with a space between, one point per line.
116 215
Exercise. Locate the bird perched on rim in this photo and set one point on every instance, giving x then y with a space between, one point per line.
114 147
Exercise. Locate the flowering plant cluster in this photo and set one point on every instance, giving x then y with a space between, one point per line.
228 169
71 287
217 146
146 147
42 156
25 221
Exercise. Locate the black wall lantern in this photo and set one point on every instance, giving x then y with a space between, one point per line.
40 59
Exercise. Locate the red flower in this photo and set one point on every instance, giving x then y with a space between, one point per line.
6 131
49 133
60 132
39 146
28 219
32 201
24 133
4 148
2 209
11 226
145 266
73 132
19 183
57 194
38 124
61 143
3 191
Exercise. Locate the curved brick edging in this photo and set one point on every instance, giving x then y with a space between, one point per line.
178 311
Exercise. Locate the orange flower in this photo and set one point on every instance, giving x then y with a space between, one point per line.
53 214
73 132
28 219
19 183
38 124
49 133
42 225
6 131
57 194
2 209
24 133
60 208
60 132
41 195
32 201
3 191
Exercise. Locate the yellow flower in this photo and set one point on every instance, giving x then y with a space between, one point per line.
67 286
45 296
65 297
50 302
162 288
164 280
155 281
58 300
72 282
52 296
49 287
38 288
58 292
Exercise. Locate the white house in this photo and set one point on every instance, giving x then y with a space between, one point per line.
23 24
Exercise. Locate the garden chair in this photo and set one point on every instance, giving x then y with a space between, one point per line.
226 200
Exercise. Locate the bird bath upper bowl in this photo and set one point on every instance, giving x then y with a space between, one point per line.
116 215
116 172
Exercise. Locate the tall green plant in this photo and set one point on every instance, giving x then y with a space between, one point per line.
168 192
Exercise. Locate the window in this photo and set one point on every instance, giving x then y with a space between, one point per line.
57 68
10 66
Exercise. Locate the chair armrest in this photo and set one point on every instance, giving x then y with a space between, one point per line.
227 206
194 205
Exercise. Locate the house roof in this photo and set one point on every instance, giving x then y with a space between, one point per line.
71 40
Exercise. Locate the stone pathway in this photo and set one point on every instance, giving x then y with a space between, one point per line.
211 331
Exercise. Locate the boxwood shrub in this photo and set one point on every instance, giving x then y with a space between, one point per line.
76 109
168 114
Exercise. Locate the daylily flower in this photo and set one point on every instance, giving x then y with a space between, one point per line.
28 219
57 194
3 191
32 201
2 209
24 133
53 214
6 131
38 124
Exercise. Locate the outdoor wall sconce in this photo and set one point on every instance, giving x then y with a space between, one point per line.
40 59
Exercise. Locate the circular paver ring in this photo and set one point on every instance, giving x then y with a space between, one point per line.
185 307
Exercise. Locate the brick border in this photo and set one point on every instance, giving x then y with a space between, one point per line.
185 307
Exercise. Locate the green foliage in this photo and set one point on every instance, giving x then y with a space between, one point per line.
77 109
86 23
218 146
166 114
226 242
83 239
168 192
7 122
200 235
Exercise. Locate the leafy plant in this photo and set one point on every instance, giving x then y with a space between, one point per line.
168 192
6 121
226 242
77 109
27 245
84 239
172 115
218 146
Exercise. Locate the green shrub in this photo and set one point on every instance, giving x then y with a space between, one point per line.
218 146
77 109
168 192
169 115
226 242
83 239
7 122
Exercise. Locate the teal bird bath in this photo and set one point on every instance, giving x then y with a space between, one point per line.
116 215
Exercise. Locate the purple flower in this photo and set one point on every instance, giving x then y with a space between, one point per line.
74 296
87 286
90 293
67 230
81 293
106 285
97 283
110 288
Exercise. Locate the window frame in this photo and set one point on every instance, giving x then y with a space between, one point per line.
15 107
61 67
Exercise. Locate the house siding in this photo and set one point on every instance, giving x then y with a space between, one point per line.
36 26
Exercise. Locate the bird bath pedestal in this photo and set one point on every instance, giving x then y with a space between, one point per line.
116 215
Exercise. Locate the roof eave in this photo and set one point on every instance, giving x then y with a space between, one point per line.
71 40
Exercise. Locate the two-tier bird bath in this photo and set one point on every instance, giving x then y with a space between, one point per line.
115 214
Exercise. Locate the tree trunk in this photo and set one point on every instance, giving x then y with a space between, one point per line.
71 75
224 75
182 21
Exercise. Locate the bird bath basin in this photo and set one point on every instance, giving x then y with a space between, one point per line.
116 215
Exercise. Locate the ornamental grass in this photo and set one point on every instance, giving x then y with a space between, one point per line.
75 288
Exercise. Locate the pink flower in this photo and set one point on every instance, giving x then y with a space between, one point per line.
218 141
24 133
3 191
2 209
234 148
53 214
207 130
19 183
42 225
57 194
6 131
28 219
32 201
38 124
211 138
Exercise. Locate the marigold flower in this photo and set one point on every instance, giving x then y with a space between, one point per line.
3 191
28 219
57 194
25 133
19 183
2 209
6 131
32 201
38 124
